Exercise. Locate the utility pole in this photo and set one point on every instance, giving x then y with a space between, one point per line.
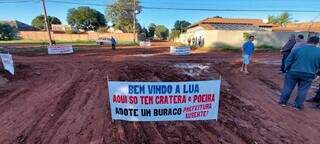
134 21
46 20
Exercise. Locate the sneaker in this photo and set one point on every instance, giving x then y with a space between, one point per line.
297 108
282 104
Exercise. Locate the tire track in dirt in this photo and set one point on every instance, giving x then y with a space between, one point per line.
68 102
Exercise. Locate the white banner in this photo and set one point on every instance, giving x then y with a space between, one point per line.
60 49
145 43
186 50
164 101
7 62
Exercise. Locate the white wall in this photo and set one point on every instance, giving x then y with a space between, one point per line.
215 38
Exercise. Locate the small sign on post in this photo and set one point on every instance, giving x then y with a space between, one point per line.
7 62
145 44
164 101
60 49
180 51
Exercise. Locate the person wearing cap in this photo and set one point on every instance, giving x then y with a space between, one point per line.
301 65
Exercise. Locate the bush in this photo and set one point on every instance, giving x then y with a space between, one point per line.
102 30
246 36
226 47
7 32
266 47
178 44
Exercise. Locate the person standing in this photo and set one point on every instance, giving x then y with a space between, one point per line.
189 41
247 51
286 49
301 65
299 41
113 43
316 98
193 41
199 41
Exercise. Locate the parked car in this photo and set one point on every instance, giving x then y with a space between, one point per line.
103 41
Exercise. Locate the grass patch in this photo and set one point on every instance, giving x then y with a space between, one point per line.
226 47
267 48
39 42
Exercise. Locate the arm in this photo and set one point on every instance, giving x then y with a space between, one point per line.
290 60
243 47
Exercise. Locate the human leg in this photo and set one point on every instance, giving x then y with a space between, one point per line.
303 88
288 86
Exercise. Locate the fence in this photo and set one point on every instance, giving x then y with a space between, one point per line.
43 36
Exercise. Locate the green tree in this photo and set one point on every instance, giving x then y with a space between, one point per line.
39 22
174 34
272 20
7 32
162 32
121 14
178 28
181 26
144 32
282 19
285 18
152 28
85 18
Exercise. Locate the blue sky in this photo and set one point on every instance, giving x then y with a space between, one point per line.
25 12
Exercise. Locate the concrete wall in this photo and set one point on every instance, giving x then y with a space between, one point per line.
42 36
219 38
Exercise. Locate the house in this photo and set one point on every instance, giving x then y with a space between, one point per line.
20 26
221 32
233 24
312 28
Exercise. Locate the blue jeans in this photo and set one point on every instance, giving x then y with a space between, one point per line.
304 81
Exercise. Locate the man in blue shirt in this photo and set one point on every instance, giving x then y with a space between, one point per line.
301 67
113 43
247 51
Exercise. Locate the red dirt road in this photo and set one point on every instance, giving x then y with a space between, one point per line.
64 99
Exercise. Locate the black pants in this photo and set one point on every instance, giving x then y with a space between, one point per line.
113 47
317 97
284 57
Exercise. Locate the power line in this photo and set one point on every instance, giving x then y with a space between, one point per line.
177 9
17 1
76 3
231 10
